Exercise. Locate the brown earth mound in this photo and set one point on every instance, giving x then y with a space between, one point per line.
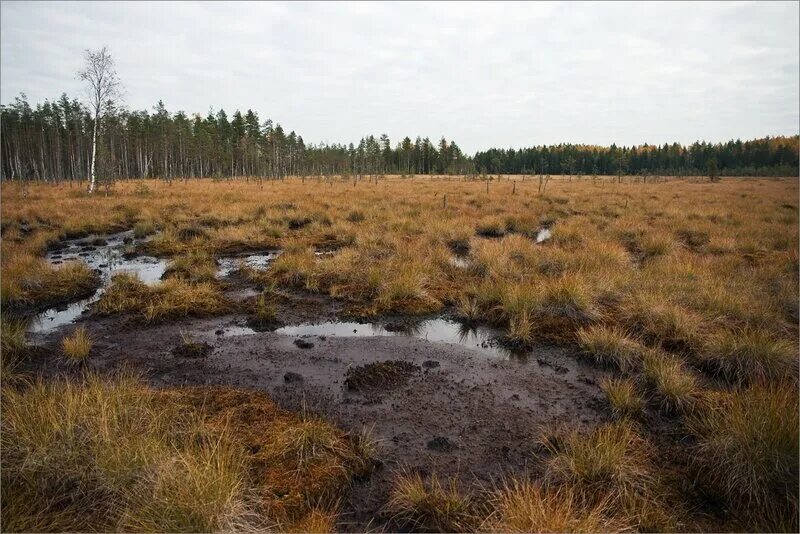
379 375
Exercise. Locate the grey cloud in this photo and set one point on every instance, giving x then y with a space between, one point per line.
484 74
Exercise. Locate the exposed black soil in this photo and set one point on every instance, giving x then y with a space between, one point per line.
263 326
303 344
192 350
434 406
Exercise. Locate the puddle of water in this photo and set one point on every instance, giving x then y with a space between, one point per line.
460 262
480 338
108 259
53 318
259 262
238 331
543 235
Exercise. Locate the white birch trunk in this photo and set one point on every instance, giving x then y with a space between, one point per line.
94 157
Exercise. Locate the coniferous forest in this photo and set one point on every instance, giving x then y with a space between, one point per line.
53 140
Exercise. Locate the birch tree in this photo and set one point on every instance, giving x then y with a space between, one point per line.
103 88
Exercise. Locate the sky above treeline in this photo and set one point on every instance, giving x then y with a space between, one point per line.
484 74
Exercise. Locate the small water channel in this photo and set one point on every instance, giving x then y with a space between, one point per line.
108 255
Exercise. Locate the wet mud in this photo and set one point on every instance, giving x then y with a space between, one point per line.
447 407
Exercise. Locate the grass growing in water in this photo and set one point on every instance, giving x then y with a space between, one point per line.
171 299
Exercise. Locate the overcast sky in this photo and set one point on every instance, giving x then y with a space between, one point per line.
485 74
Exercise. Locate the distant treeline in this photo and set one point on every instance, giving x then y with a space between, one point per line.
771 156
53 142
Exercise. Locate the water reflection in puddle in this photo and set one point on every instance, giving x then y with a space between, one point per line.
230 264
480 338
106 255
543 235
55 317
460 261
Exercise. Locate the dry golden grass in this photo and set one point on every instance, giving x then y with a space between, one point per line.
749 355
430 505
29 282
650 257
195 266
705 272
171 299
522 506
77 346
747 450
110 454
612 346
610 468
611 460
625 401
675 386
13 344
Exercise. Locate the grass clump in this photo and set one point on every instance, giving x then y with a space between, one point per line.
527 507
293 267
521 331
110 454
190 232
309 442
468 309
356 216
107 455
693 239
406 289
196 266
264 311
171 299
748 448
38 286
610 346
675 386
77 346
12 336
662 322
143 229
749 355
13 344
624 399
429 506
563 306
609 467
609 460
